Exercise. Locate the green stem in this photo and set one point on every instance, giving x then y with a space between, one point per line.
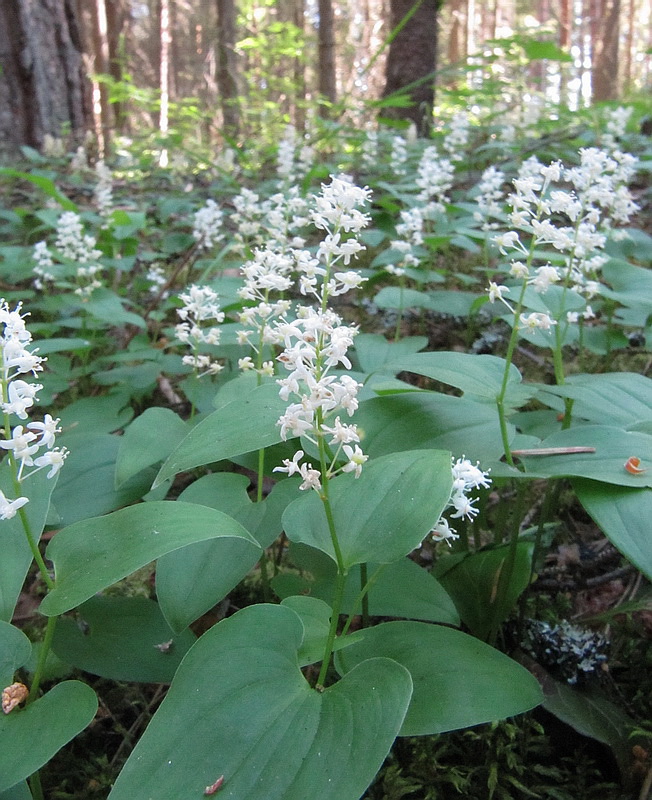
364 592
332 631
364 595
35 786
42 659
264 573
509 355
399 320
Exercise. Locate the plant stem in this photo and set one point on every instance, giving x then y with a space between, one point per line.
42 659
364 595
500 399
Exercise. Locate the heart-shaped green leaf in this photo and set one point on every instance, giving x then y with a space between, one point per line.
191 580
29 737
623 515
382 515
127 639
239 708
95 553
142 445
416 420
243 425
458 680
473 584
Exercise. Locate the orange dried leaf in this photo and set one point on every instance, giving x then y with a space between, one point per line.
13 695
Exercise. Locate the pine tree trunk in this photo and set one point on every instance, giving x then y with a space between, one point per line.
412 58
227 68
327 80
43 86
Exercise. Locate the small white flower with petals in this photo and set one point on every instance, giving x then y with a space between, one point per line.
53 459
9 508
48 428
442 532
496 292
356 459
291 466
536 321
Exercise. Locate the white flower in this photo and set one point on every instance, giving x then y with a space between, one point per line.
536 320
53 459
48 428
496 292
291 466
356 459
9 508
442 532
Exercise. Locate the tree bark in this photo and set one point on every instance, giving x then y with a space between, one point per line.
604 56
227 67
43 86
327 79
412 59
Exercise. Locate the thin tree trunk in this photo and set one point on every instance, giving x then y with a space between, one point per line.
412 60
604 62
327 79
227 67
164 82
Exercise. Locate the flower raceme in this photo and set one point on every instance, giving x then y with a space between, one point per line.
466 477
316 341
17 396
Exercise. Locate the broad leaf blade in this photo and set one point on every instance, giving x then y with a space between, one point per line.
93 554
240 708
24 747
385 513
458 680
241 426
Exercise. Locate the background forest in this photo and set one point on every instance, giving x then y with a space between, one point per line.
326 445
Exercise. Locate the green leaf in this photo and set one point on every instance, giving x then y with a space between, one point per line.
45 184
120 543
63 712
142 445
613 447
622 399
395 297
93 415
374 351
239 707
243 425
623 515
124 639
472 582
382 515
480 375
315 616
402 589
15 650
591 715
541 49
60 345
18 792
87 484
16 552
193 579
416 420
106 306
458 680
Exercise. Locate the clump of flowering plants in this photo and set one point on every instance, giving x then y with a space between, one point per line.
351 480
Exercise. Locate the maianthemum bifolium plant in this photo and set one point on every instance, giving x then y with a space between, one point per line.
356 642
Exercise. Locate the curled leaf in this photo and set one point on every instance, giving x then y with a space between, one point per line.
13 695
633 466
